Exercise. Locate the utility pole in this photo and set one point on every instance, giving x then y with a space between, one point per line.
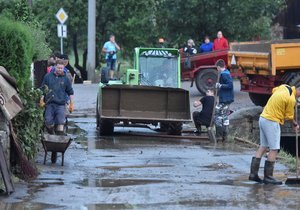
30 3
91 63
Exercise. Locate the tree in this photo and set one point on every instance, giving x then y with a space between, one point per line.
239 20
140 23
129 20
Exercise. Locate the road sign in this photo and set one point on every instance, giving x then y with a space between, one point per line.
61 16
61 31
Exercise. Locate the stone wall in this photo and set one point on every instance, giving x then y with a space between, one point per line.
244 123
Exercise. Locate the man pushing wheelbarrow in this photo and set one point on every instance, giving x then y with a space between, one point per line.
59 93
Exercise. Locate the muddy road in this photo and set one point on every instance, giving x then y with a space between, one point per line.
126 172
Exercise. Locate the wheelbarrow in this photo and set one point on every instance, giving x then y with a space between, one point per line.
55 143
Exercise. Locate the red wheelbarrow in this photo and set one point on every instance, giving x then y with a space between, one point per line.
55 143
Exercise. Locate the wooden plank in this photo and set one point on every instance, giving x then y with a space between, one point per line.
5 172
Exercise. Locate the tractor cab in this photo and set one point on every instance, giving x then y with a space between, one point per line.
158 67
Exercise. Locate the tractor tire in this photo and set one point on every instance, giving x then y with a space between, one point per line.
206 79
106 127
164 126
259 99
175 128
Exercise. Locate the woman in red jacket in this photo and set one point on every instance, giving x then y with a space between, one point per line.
220 42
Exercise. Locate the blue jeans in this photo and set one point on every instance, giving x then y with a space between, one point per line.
55 114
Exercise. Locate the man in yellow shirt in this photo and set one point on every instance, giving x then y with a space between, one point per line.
280 107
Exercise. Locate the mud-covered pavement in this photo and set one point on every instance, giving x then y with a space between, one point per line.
126 172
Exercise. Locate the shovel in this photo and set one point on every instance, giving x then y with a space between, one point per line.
296 180
211 134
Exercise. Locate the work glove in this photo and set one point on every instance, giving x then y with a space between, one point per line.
296 127
71 107
218 85
42 103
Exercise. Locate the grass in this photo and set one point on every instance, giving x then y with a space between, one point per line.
288 160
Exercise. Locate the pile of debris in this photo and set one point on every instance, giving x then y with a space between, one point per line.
10 106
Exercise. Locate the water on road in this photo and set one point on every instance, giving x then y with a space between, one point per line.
126 172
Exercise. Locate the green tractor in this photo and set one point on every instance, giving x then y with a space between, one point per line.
149 93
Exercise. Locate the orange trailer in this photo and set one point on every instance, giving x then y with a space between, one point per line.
264 65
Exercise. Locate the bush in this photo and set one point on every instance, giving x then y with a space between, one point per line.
28 124
16 50
22 41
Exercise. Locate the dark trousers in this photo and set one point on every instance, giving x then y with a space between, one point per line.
199 120
55 114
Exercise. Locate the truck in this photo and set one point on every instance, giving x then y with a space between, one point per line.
202 69
260 66
264 65
149 93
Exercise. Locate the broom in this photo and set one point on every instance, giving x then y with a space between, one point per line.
295 181
27 169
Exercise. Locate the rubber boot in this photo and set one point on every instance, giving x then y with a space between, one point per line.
254 170
50 130
268 172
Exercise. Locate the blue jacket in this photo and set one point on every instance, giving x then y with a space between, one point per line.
59 87
226 91
206 47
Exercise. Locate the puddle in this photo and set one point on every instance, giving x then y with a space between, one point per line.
108 156
27 206
55 172
109 206
204 203
116 168
76 131
48 181
218 166
117 182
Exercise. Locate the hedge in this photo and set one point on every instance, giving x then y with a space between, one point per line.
16 50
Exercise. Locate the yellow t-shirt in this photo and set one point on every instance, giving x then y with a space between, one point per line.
281 105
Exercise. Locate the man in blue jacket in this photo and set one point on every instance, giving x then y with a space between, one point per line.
226 97
59 87
206 46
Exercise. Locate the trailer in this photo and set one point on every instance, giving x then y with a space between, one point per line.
202 69
264 65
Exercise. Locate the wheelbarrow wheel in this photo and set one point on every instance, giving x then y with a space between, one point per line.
54 157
